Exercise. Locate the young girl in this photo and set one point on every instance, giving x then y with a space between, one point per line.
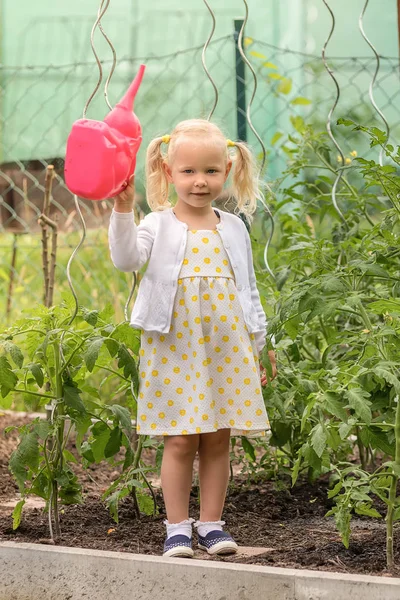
203 326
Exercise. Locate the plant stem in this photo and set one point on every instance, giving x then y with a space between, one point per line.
392 493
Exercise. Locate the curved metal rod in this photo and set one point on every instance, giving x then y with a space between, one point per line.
100 14
130 297
74 253
246 60
329 120
264 153
371 85
203 60
114 62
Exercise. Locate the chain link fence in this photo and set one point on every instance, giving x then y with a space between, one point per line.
39 104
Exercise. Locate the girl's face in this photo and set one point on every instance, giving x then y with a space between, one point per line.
198 170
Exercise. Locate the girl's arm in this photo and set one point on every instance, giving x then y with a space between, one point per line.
130 245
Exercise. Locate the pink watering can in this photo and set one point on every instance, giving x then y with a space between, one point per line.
101 155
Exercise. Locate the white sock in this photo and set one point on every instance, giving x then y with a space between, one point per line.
182 528
204 527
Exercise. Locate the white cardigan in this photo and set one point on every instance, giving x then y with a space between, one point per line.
160 239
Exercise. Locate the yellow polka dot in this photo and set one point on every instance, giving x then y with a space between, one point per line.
154 350
149 405
223 318
184 356
205 417
194 298
239 411
225 261
158 394
184 288
179 281
231 422
194 387
147 384
148 363
167 381
220 369
143 417
210 382
142 374
222 411
190 399
218 269
141 352
154 373
182 302
215 328
177 370
231 296
196 409
231 402
179 335
173 423
221 296
198 429
237 391
149 340
252 336
207 261
235 349
162 338
246 381
175 314
258 391
197 320
225 338
229 380
258 412
212 404
172 347
206 296
196 269
236 369
138 427
161 415
182 412
201 340
201 396
185 324
187 377
164 360
214 306
179 390
207 338
153 426
236 319
195 250
141 395
247 403
207 319
184 432
217 349
170 402
198 375
191 420
227 359
205 240
195 354
185 262
216 250
249 423
246 360
221 390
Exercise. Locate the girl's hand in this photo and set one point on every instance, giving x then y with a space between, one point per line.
272 360
125 201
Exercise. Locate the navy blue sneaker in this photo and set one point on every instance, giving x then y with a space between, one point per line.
218 542
178 545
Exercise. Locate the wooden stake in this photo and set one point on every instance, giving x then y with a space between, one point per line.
48 182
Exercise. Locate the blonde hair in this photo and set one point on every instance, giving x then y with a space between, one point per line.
245 179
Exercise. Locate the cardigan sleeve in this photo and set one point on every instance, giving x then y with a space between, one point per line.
130 245
255 296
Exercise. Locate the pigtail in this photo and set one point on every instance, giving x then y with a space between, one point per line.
245 180
156 180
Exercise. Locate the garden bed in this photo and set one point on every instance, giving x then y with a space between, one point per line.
288 522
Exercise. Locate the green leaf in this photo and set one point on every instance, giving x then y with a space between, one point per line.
113 500
248 448
72 398
146 504
358 401
368 511
389 377
318 439
17 514
335 490
101 434
126 361
37 372
8 379
300 100
25 456
276 137
342 520
15 353
92 353
90 316
114 443
331 403
123 416
285 86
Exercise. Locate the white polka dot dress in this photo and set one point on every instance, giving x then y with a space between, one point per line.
203 375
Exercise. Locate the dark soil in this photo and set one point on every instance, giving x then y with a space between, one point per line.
289 522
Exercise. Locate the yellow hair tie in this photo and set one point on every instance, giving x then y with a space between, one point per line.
166 139
230 144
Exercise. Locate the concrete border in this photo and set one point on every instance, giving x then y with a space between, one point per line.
40 572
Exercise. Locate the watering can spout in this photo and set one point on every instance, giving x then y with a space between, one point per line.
121 117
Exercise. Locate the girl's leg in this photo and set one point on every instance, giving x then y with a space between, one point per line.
176 474
213 473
